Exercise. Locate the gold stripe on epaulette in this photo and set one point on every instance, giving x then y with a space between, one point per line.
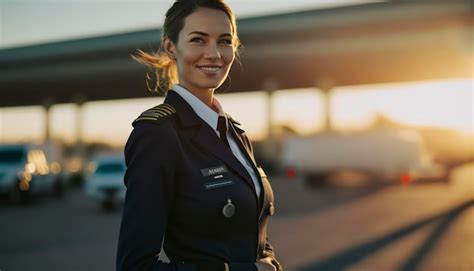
161 111
145 118
156 113
168 107
165 110
152 115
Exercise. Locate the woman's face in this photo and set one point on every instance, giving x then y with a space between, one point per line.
205 51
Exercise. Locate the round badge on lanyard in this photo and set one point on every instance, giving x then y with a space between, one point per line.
229 209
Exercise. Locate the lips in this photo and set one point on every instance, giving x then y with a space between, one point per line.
210 68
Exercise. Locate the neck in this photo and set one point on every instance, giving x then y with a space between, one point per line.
205 95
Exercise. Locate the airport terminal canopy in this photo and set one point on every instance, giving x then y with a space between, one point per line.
362 44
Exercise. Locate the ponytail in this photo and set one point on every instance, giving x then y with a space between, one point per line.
164 69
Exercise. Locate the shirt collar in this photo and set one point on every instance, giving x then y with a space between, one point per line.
201 109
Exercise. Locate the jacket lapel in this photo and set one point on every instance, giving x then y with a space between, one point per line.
238 135
207 139
204 137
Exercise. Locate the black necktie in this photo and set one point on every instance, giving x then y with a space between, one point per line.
222 128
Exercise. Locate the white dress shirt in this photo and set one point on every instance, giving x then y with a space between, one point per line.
210 117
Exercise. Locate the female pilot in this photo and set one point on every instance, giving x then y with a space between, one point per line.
193 185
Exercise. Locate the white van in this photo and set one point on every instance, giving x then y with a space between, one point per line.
105 182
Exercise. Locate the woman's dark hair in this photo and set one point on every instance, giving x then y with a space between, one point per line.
164 66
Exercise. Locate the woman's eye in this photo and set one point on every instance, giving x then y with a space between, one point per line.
197 40
226 42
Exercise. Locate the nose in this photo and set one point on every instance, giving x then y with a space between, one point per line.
212 51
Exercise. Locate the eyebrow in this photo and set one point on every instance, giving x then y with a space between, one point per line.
207 35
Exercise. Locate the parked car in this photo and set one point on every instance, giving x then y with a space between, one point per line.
105 182
29 169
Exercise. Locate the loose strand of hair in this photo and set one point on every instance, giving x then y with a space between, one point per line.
163 66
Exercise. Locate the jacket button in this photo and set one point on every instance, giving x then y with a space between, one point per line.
271 209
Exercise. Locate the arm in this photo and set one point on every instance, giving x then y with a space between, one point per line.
151 159
148 179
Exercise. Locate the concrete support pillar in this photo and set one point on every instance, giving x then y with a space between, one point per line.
268 153
326 84
327 111
270 86
47 103
79 101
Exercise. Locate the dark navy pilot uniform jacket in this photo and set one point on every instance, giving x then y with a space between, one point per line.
174 197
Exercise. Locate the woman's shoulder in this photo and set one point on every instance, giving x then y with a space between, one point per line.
154 124
155 115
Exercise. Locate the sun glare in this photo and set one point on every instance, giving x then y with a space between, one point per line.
433 103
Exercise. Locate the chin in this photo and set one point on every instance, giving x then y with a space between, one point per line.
212 84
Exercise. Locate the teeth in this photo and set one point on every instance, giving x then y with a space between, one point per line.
211 69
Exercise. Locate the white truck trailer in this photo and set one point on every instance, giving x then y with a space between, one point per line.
383 154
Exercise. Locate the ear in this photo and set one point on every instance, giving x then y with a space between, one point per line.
169 47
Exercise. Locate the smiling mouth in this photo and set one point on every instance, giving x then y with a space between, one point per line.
212 69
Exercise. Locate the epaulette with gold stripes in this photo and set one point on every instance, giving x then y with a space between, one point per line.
157 113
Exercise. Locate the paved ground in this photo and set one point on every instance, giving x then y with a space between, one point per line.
365 226
428 226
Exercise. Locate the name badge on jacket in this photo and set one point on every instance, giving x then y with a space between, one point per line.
218 177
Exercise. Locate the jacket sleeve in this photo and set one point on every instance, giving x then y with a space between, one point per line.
151 158
149 174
